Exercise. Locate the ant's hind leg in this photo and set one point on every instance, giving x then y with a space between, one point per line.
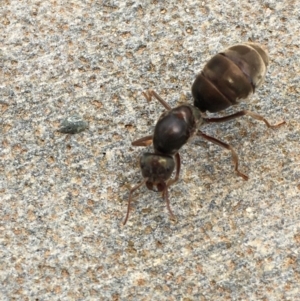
148 95
234 155
243 113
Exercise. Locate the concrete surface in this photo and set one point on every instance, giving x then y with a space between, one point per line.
63 197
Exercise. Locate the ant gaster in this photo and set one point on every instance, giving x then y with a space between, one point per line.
228 77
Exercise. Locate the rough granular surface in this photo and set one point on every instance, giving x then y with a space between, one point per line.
63 197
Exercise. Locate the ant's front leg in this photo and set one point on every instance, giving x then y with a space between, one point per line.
178 166
171 182
145 141
132 190
148 95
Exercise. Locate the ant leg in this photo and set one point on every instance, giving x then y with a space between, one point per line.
234 155
166 197
243 113
171 182
178 164
132 190
145 141
148 95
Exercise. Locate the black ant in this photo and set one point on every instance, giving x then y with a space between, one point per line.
228 77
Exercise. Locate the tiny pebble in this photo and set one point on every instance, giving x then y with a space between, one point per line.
72 125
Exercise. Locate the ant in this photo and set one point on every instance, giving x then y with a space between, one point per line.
228 77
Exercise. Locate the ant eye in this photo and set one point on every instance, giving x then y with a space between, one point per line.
161 186
149 185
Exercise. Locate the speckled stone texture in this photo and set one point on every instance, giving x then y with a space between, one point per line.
63 197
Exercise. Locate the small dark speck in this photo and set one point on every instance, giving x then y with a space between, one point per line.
3 103
212 205
72 125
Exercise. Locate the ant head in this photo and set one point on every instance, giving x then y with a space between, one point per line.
157 169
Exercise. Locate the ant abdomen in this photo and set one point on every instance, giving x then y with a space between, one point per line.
230 76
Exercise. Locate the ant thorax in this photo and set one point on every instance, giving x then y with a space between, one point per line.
175 127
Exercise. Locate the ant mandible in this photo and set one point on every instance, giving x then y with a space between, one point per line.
228 77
